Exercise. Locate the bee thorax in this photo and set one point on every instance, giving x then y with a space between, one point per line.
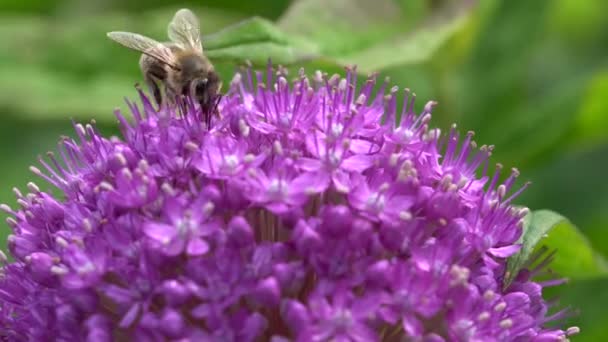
192 66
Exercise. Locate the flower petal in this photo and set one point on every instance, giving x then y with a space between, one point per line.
357 163
342 181
130 316
196 247
160 232
309 164
504 252
310 183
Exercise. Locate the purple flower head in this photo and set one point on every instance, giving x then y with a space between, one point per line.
306 211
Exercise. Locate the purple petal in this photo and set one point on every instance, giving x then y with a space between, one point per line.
309 164
173 209
160 232
254 325
196 247
172 323
412 326
259 125
310 183
360 146
362 333
342 181
504 252
130 316
201 311
277 208
357 163
175 247
315 144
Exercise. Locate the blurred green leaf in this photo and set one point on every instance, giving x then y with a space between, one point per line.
373 35
589 16
256 40
252 30
592 119
415 47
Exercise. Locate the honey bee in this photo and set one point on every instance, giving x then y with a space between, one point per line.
179 65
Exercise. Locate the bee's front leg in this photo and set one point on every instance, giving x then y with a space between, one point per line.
152 83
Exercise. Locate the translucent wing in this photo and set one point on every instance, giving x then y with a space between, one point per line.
145 45
184 30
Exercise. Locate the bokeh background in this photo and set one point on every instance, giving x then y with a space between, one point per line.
530 77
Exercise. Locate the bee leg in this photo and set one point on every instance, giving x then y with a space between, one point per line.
155 89
154 74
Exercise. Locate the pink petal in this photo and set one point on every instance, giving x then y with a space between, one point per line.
196 247
203 164
360 146
357 163
175 247
277 208
342 181
403 202
315 143
259 125
412 326
309 164
160 232
310 182
504 252
358 197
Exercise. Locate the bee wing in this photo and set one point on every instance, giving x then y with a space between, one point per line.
184 30
145 45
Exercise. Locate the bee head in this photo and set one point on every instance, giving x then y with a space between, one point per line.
205 91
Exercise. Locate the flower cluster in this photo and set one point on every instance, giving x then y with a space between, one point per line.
307 211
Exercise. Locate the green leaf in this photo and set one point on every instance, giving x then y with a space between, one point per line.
592 119
373 35
341 26
252 30
414 48
574 258
257 39
536 225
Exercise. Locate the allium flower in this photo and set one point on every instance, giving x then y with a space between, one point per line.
306 212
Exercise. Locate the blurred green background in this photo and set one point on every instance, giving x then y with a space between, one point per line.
530 77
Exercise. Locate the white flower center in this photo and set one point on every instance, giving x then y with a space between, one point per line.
334 159
184 226
343 319
231 161
277 188
337 129
376 202
285 118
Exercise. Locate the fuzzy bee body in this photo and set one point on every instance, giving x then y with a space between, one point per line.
178 66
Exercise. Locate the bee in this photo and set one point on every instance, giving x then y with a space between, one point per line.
179 65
